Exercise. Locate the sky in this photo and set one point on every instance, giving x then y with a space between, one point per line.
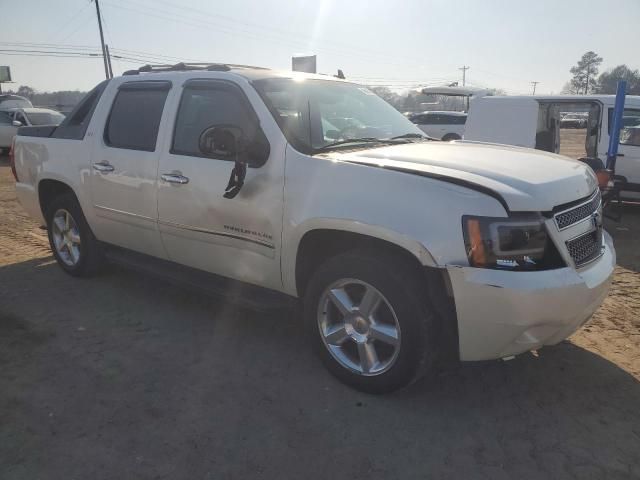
402 43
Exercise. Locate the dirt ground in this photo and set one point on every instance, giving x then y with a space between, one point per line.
124 376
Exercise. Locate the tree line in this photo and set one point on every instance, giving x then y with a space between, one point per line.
585 79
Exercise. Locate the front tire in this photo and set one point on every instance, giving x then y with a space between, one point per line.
370 321
72 242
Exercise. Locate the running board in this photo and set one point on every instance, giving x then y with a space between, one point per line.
240 293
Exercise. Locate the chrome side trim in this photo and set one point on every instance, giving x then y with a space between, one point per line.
122 212
214 232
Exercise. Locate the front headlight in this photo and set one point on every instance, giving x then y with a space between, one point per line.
515 243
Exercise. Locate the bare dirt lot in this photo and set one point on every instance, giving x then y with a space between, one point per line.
124 376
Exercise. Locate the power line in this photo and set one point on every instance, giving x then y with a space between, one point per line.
72 19
234 32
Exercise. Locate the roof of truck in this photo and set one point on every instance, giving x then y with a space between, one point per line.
247 71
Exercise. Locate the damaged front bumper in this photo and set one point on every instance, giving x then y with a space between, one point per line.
502 313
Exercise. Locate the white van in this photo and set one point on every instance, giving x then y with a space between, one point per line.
536 122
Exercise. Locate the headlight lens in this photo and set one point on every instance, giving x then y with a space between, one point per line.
518 243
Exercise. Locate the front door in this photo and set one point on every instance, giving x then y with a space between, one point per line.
125 166
235 237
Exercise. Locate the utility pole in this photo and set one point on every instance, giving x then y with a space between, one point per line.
464 69
534 87
104 50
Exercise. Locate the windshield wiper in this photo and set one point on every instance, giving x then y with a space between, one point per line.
413 135
350 140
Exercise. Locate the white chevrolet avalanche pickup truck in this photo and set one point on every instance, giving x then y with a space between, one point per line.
403 251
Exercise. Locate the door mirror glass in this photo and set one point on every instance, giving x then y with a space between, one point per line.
17 123
222 141
229 142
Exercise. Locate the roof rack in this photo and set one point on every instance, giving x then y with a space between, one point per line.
184 66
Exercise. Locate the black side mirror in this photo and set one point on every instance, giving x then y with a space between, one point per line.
229 142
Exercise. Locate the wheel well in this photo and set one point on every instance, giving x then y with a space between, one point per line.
317 246
50 189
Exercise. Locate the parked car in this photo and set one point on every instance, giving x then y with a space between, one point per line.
11 120
10 101
403 252
441 125
7 130
574 120
534 122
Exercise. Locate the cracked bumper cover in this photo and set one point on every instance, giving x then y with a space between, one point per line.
504 313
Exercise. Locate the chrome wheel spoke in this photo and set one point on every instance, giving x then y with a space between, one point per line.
340 298
384 333
370 302
74 252
336 335
368 357
66 220
59 223
74 237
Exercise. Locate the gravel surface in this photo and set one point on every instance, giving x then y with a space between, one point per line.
124 376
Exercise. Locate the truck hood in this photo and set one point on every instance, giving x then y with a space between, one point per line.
525 179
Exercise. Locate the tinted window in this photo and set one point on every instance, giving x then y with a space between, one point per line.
135 117
455 119
203 106
423 119
5 118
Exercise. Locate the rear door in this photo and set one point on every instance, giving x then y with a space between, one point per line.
125 166
239 237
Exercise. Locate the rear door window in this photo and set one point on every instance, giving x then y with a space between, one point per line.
136 114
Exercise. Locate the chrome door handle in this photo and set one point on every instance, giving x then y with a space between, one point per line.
103 167
174 178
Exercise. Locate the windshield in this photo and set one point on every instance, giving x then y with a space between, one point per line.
45 118
315 114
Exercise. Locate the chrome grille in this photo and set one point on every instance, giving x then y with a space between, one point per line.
579 213
585 248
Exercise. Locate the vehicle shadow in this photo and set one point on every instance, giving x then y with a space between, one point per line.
123 373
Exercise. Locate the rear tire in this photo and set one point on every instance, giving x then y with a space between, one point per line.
372 350
72 242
